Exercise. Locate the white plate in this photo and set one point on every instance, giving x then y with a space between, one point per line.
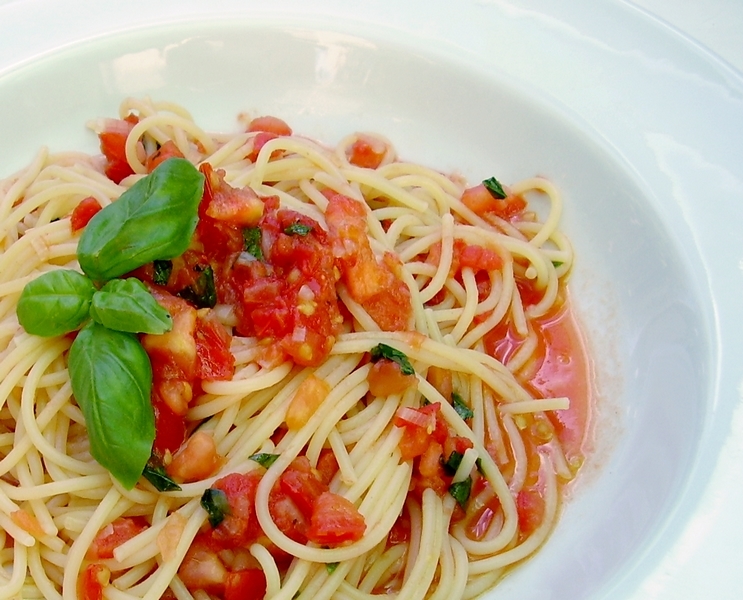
639 129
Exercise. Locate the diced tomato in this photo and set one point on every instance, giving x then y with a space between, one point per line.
240 527
197 460
530 507
372 283
288 518
480 201
170 428
237 206
214 361
27 521
308 397
113 535
163 153
335 520
113 146
400 532
92 581
327 466
479 258
84 212
430 461
270 124
386 378
366 151
414 442
202 569
245 584
302 484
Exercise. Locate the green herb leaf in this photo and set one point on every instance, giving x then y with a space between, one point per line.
252 241
156 475
55 303
214 502
264 459
460 407
153 220
161 271
297 229
127 305
111 379
331 567
388 352
203 292
557 263
452 463
495 188
460 491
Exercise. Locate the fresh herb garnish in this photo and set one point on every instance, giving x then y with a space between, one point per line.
127 305
156 475
252 242
216 505
557 263
495 188
111 378
331 567
460 491
152 220
264 459
297 229
109 369
464 411
452 463
161 271
388 352
202 293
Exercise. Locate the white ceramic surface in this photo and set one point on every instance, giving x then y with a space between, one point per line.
640 129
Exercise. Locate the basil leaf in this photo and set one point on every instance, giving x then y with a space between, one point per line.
557 263
452 463
297 229
384 351
264 459
460 491
252 241
464 411
161 271
495 188
156 475
153 220
214 502
111 379
127 305
55 303
203 292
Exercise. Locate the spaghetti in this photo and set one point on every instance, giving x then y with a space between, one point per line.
399 388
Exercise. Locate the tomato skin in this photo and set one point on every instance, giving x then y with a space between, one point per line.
163 153
92 581
84 212
335 520
245 584
113 535
214 361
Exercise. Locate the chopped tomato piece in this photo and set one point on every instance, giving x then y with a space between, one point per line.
240 527
113 535
366 151
530 507
170 428
92 581
214 361
245 584
373 284
197 460
270 124
113 146
335 520
237 206
202 569
479 258
84 212
302 484
480 201
386 378
163 153
308 397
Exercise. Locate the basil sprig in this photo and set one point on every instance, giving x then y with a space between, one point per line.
110 371
153 220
